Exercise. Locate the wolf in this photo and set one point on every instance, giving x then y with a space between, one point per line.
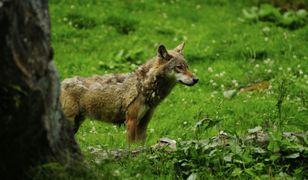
129 98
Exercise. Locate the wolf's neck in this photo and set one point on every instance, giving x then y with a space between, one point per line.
154 81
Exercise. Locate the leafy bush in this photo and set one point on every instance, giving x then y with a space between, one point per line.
228 155
290 19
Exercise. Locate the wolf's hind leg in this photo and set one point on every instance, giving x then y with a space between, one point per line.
77 122
70 106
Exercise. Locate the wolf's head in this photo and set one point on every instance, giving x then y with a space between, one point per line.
175 65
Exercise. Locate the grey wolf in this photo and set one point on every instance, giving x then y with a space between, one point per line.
129 98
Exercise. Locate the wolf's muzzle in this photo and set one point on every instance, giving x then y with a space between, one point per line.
195 80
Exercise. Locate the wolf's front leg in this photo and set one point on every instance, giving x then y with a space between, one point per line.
137 117
131 122
131 126
142 126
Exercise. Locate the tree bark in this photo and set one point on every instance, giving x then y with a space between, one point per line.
33 129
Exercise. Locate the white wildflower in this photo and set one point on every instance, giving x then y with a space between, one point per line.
266 30
165 15
230 93
116 173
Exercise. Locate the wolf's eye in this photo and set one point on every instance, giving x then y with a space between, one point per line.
179 67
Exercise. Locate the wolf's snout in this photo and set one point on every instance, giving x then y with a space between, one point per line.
195 80
186 80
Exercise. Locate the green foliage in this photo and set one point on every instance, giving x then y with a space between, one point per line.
290 19
122 25
208 158
227 54
80 21
224 155
56 171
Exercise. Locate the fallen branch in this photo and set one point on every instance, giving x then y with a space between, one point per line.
255 136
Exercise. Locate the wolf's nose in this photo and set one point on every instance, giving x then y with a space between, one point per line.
195 80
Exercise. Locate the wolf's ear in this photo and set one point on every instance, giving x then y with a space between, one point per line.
163 53
180 48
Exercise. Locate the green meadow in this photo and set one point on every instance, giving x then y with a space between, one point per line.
252 64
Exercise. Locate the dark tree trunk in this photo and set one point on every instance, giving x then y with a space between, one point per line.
33 129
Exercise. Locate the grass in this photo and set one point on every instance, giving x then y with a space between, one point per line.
223 48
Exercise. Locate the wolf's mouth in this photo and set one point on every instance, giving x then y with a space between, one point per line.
188 84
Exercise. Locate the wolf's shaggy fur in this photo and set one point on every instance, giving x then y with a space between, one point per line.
126 98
